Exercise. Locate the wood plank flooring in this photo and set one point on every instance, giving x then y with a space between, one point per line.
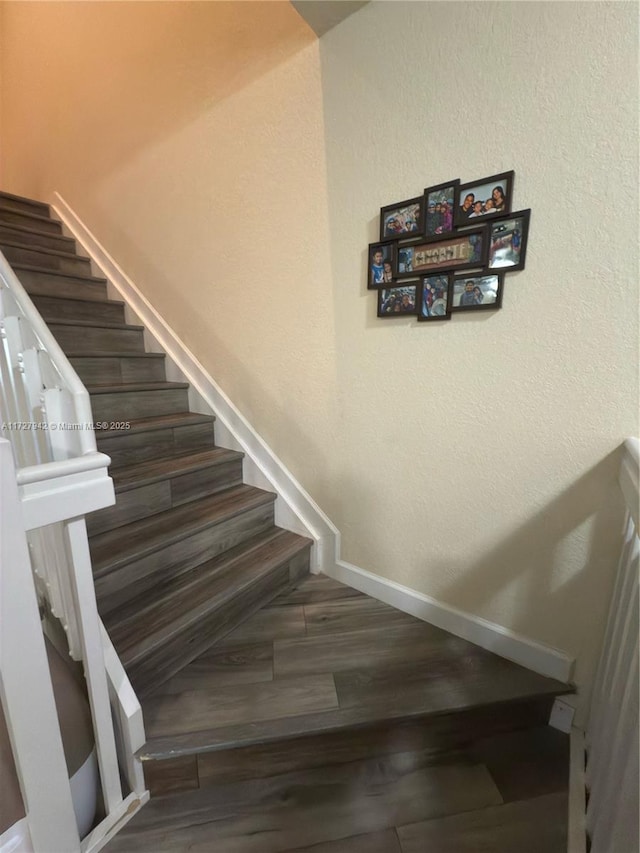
394 804
382 666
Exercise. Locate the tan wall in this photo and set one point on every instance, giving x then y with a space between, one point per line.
473 460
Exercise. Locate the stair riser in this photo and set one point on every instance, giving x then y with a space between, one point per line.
44 241
75 309
124 583
172 656
129 405
438 738
139 447
106 371
15 217
75 266
24 205
96 339
48 285
148 500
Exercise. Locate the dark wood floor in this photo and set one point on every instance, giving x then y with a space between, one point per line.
325 659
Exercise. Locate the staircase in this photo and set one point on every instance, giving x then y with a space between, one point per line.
246 665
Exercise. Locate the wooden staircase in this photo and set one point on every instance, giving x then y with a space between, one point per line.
247 667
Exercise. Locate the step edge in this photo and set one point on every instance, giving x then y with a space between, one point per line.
189 618
90 324
37 216
45 250
88 279
100 570
146 753
23 229
136 428
129 387
24 198
234 456
99 354
118 302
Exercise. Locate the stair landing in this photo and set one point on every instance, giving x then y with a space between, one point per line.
325 659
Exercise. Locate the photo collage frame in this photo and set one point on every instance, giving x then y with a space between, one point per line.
448 250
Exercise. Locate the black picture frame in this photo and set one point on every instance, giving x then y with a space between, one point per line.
445 255
441 286
387 308
400 208
501 229
478 281
438 193
388 257
502 181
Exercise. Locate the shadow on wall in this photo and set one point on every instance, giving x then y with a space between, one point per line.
592 507
146 69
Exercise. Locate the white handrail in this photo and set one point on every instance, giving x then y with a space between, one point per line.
69 379
45 412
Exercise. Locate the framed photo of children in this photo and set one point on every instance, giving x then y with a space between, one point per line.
487 197
380 266
439 205
477 292
397 301
406 218
434 297
463 251
508 241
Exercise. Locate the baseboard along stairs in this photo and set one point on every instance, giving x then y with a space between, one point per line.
247 666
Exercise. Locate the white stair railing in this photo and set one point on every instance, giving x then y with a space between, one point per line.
612 732
52 476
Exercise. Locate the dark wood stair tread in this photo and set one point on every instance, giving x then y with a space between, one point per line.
140 626
96 324
130 387
43 250
114 354
98 302
117 547
138 425
90 279
35 232
144 473
34 216
41 205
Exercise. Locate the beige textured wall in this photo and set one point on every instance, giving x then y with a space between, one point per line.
482 452
473 460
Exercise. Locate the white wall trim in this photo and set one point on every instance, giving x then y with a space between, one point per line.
488 635
295 508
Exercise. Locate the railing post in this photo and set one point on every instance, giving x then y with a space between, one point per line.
93 656
25 684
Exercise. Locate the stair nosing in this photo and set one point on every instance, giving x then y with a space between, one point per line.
45 250
100 354
141 425
129 387
36 231
100 569
79 299
5 209
93 324
233 456
89 279
149 753
185 619
24 198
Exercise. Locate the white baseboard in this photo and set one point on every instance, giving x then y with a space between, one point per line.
295 508
488 635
